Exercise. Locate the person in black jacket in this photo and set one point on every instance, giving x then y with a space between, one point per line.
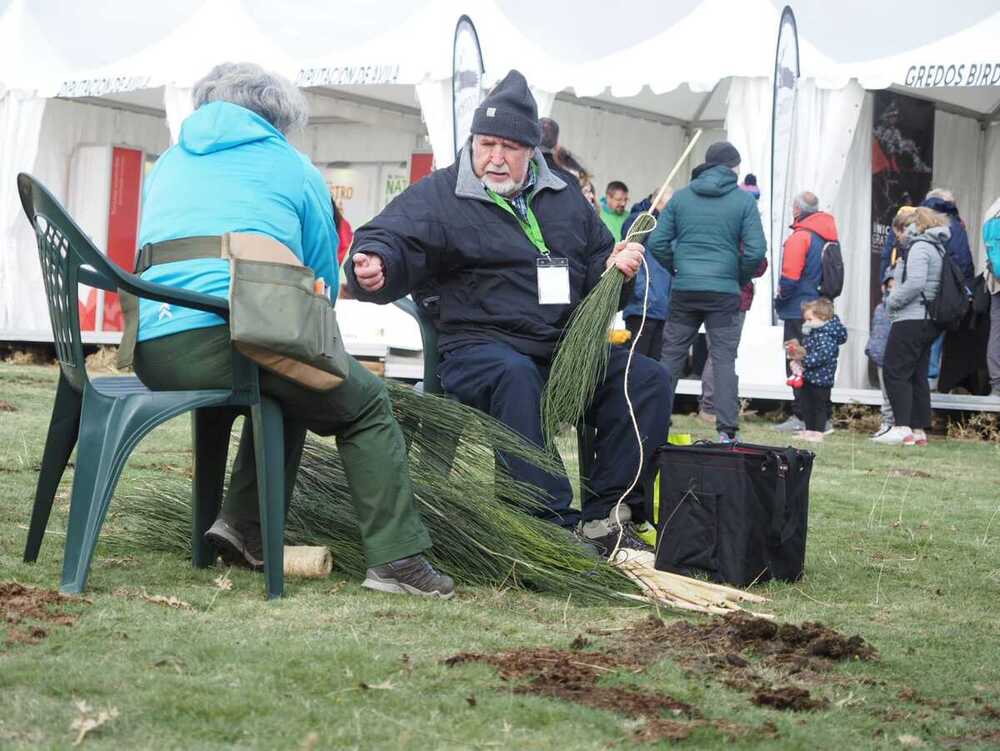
500 251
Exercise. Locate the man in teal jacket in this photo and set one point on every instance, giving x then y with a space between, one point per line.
699 238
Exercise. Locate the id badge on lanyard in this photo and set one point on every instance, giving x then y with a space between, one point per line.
553 281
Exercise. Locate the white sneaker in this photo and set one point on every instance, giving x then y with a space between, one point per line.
828 428
882 430
791 425
895 436
919 438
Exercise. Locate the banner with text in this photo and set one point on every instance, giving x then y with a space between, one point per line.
902 160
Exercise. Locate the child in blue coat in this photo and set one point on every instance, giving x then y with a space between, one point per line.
822 336
875 350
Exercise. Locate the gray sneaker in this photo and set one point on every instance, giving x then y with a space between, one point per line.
791 425
604 534
410 576
828 428
238 543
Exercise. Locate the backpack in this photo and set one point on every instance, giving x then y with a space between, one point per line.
832 282
953 300
991 237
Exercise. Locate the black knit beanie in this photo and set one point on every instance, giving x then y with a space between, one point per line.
509 111
722 152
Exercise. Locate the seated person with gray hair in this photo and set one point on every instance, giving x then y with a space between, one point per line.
233 170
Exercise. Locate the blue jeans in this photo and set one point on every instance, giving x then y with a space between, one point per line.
495 378
934 368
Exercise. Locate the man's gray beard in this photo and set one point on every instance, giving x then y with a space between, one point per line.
508 188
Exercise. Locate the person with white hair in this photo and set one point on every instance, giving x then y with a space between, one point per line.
801 275
234 171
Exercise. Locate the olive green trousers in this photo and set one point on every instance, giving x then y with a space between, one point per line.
358 413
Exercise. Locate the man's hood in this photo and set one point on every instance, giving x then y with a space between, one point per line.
819 222
221 125
939 204
716 180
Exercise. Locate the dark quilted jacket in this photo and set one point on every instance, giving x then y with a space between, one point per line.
822 349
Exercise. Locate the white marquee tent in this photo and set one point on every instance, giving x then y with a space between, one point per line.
627 98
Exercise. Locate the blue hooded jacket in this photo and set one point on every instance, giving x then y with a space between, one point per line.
660 280
232 171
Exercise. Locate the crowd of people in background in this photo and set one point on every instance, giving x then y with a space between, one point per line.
688 292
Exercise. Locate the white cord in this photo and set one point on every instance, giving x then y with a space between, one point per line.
631 412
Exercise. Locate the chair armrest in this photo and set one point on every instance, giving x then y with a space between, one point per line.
163 293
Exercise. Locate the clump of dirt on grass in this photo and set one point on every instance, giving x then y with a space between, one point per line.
7 406
28 611
574 675
728 650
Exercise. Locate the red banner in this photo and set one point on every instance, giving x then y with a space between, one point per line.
123 231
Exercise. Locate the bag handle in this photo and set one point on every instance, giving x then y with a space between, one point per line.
781 528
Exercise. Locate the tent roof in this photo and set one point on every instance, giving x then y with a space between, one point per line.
661 61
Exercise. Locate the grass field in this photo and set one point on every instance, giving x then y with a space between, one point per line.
904 549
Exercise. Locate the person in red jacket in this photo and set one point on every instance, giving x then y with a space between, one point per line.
801 274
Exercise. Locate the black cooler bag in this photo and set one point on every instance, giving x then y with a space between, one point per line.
736 512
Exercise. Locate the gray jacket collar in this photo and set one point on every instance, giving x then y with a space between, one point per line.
469 186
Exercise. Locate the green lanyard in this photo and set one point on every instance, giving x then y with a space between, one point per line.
530 227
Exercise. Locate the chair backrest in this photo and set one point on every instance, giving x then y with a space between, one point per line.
428 339
62 249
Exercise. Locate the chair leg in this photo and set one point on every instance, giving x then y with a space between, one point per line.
64 426
210 430
98 466
269 452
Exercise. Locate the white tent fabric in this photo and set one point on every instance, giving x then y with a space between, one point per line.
20 123
852 209
178 105
71 49
958 167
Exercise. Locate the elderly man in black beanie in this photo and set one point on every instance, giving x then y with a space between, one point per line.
499 251
710 236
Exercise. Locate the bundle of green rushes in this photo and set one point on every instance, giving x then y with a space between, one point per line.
478 516
581 359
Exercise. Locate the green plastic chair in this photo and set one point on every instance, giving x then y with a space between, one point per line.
432 385
107 417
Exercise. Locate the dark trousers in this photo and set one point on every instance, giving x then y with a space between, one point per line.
724 328
793 330
497 379
815 405
358 413
651 342
907 358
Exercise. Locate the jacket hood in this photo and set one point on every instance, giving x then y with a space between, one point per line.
222 125
717 180
821 223
938 235
939 204
639 206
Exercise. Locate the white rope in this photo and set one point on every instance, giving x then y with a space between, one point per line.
628 399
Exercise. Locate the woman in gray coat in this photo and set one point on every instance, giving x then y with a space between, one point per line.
922 234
